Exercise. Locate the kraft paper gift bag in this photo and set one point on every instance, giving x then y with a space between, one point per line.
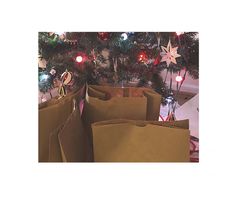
107 92
136 141
73 140
50 118
117 107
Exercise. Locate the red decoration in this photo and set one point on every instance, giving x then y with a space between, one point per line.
157 60
103 35
178 78
142 57
170 117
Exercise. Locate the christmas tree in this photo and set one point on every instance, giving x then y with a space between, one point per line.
70 59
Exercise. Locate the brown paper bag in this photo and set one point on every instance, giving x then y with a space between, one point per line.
140 141
99 110
50 118
73 140
108 92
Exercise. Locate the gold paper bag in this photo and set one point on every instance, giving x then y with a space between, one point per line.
50 118
137 141
73 140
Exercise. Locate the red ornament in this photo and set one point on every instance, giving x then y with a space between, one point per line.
142 57
178 78
103 35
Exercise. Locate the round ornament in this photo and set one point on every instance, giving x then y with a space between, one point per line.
66 77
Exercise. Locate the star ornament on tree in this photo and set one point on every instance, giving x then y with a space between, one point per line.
169 54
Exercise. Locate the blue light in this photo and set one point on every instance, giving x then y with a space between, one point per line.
44 77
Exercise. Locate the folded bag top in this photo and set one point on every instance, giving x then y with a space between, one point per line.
108 92
183 124
111 91
129 108
128 142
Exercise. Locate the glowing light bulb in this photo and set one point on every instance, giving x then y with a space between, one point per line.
142 56
124 36
79 59
44 77
179 33
178 78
